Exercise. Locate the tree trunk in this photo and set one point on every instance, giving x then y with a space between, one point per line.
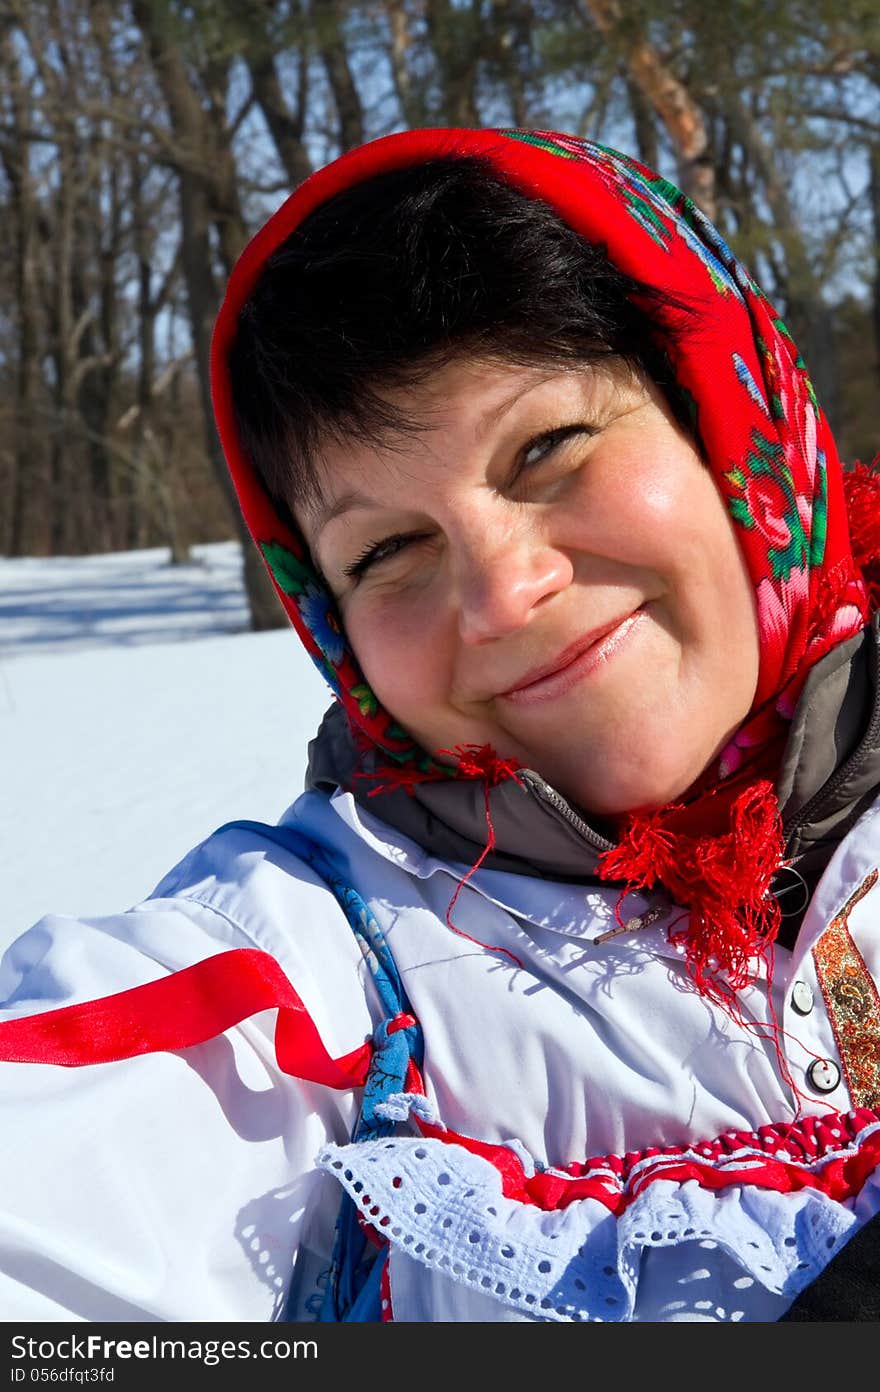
202 301
809 318
644 122
680 113
200 207
455 52
286 138
410 94
331 46
25 528
511 21
137 482
875 280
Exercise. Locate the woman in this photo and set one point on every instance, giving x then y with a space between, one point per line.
557 987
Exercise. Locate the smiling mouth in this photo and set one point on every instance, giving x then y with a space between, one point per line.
575 663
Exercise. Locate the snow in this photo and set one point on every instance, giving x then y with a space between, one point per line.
137 713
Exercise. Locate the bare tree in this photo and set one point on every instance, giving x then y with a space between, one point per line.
201 154
141 143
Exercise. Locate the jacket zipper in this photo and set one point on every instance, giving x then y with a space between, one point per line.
555 800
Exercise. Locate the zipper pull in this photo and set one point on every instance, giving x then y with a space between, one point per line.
632 925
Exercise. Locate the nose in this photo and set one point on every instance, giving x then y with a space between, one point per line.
502 581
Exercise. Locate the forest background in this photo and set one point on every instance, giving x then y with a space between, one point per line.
142 142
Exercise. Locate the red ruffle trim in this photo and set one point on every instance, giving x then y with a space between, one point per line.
829 1153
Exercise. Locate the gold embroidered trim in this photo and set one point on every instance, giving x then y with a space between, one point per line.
852 1002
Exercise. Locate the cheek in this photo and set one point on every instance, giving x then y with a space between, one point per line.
400 655
635 493
715 595
668 507
662 512
713 531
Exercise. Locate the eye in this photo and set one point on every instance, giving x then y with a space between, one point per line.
544 444
378 551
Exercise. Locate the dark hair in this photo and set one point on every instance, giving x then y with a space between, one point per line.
400 274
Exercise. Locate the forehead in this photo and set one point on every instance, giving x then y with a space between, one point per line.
469 398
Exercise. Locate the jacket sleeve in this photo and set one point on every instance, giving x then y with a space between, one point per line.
177 1184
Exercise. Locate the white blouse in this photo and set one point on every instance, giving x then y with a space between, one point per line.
595 1140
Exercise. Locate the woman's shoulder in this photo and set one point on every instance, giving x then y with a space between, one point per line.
167 1019
249 911
271 883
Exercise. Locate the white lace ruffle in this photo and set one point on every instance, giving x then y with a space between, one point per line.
442 1205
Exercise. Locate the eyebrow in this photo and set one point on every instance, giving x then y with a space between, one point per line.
346 502
352 499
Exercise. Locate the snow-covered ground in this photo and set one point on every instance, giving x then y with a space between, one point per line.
137 713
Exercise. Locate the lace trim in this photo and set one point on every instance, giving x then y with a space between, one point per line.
445 1207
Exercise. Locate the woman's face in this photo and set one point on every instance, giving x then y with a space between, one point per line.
549 567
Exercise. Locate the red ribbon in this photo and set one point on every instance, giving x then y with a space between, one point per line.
177 1011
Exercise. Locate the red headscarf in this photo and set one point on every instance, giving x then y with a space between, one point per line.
773 458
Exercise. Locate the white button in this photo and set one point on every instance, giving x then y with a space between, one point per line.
824 1075
802 998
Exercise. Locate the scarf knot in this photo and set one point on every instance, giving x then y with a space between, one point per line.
481 761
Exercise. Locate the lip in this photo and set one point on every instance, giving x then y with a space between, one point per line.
576 662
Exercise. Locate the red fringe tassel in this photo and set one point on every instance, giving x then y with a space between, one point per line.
722 880
861 486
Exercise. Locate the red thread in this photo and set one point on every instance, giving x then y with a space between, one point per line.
476 761
404 777
481 761
722 879
861 487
